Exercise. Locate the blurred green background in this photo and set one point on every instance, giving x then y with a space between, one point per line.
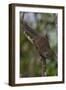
30 61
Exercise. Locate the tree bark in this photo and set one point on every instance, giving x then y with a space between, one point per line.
43 66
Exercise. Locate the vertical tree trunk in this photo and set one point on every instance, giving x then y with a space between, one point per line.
43 65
